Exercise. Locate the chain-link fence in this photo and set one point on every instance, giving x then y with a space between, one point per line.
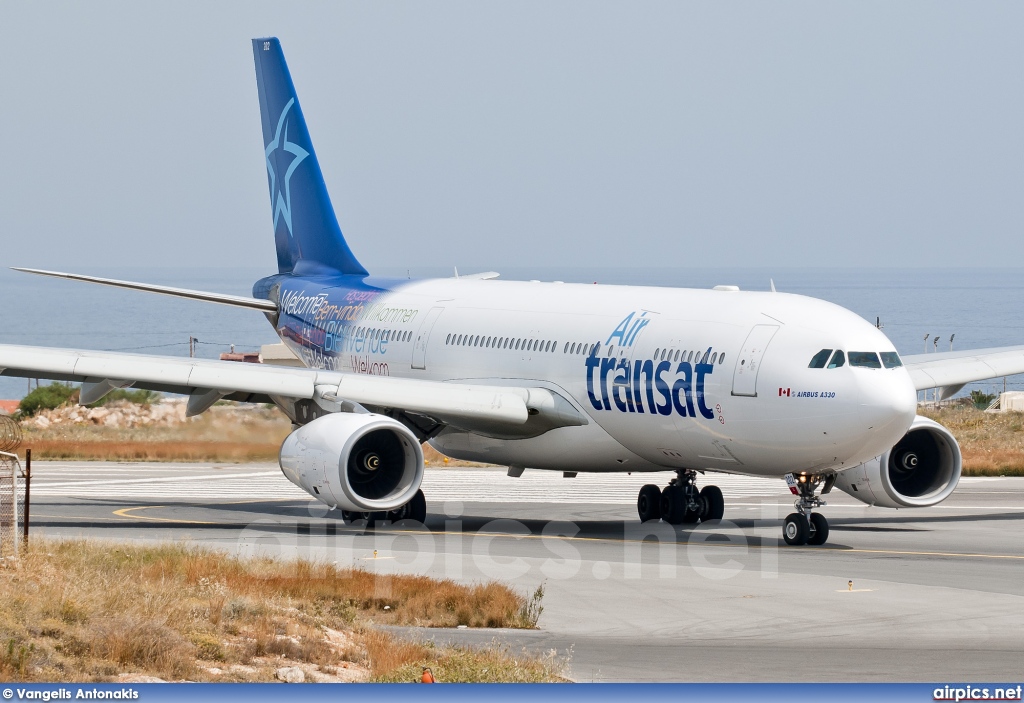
13 488
12 504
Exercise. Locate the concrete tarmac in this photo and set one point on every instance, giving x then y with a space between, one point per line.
937 594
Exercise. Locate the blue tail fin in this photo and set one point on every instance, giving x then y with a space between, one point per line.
306 230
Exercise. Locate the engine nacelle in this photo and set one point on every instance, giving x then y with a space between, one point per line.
921 470
357 462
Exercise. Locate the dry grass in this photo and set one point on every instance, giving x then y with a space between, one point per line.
80 611
396 661
221 435
103 450
992 443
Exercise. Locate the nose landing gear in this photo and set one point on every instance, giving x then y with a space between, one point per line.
680 502
805 526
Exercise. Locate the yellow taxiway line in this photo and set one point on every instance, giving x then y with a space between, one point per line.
124 513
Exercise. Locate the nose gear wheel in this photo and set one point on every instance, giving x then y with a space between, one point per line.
805 526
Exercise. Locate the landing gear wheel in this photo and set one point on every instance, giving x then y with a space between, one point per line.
375 518
416 509
795 529
349 516
673 505
694 505
818 529
648 503
713 503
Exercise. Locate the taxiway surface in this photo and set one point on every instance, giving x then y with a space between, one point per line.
937 593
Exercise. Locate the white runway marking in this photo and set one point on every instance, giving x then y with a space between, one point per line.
201 483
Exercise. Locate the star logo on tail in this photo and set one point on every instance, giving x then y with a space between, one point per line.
280 188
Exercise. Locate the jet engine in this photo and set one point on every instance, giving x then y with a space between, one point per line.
356 462
921 470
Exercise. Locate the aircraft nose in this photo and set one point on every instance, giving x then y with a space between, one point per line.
889 402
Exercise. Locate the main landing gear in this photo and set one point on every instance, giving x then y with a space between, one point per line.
415 509
805 526
680 502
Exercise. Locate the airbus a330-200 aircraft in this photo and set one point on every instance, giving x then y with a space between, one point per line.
551 376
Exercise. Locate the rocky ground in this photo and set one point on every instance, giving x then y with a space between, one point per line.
125 431
126 415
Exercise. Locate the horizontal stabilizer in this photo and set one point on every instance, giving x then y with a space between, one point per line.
239 301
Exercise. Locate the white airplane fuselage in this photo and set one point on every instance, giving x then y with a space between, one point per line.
667 378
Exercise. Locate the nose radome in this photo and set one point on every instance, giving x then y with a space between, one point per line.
905 398
889 402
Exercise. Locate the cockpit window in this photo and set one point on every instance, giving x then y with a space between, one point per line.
838 359
819 359
865 360
891 360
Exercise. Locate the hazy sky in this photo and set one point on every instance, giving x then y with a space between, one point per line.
486 134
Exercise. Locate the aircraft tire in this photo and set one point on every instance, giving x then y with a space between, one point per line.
648 503
673 505
795 529
376 518
348 516
417 508
818 529
713 502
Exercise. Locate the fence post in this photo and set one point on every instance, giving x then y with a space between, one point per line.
14 506
28 486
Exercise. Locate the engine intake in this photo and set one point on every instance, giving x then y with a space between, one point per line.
358 462
922 469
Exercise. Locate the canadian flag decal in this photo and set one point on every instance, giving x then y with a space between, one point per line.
784 392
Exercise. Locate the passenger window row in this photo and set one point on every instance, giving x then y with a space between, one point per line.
688 356
579 348
342 332
864 360
513 343
660 354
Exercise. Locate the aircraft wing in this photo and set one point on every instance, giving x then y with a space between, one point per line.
206 381
951 371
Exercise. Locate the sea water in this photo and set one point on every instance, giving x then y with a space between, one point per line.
981 307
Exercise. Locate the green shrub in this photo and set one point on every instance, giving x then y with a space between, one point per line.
981 399
47 398
57 394
139 397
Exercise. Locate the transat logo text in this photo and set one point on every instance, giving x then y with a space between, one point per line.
647 385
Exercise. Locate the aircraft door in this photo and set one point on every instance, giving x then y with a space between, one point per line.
419 347
744 378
